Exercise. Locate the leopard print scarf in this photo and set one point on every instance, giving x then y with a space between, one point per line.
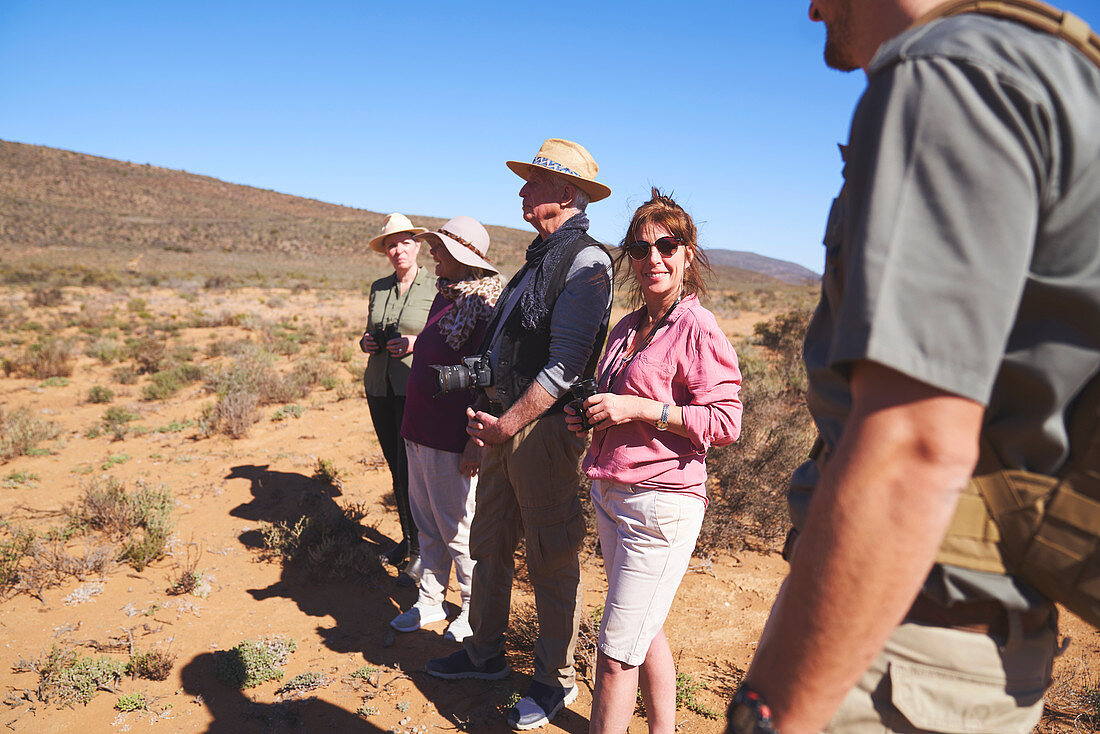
474 299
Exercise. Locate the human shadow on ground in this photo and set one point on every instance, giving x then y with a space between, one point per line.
235 713
362 608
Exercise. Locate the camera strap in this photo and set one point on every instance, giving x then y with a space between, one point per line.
641 348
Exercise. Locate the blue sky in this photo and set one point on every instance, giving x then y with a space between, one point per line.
414 106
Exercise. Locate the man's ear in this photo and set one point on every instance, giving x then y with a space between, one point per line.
568 194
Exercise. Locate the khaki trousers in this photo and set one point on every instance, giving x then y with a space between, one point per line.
528 488
935 679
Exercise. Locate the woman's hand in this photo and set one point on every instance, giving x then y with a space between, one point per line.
400 346
608 409
573 421
470 463
366 344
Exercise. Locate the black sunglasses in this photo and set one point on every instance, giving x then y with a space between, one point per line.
665 245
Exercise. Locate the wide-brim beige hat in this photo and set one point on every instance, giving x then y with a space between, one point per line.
569 160
466 240
395 223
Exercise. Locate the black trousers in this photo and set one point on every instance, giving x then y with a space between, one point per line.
386 413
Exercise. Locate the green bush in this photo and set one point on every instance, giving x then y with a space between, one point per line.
132 702
65 679
100 394
250 663
116 421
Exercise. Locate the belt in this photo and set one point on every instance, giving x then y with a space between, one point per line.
986 617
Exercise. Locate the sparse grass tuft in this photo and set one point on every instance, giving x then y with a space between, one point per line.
19 479
21 432
686 688
250 663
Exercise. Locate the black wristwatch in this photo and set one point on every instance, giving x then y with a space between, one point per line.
748 714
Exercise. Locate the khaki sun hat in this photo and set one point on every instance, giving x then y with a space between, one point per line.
394 223
466 240
569 160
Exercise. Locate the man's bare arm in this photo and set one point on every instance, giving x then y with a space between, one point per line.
876 520
488 430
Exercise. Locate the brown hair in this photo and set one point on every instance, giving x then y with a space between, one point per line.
661 209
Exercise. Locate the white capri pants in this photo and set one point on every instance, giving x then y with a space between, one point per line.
647 537
442 502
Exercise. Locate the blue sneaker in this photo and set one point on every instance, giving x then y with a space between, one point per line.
541 704
458 665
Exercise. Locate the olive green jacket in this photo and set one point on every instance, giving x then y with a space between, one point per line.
410 312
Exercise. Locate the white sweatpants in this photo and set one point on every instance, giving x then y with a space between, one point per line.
442 503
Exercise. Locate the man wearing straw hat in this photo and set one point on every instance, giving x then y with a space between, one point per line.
545 333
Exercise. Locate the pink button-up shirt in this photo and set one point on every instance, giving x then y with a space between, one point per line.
690 363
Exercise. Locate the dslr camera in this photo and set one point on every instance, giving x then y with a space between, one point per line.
582 390
473 372
381 335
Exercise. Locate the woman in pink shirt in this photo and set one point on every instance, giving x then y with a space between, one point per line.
667 391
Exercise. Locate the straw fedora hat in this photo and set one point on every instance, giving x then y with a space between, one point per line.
394 223
569 160
466 240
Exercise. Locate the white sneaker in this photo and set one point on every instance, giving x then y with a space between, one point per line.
417 616
459 629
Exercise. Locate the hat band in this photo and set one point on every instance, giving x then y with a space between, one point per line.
554 165
465 244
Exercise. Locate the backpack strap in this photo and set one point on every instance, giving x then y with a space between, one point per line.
1038 15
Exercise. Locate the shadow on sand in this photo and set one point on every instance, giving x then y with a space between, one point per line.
362 610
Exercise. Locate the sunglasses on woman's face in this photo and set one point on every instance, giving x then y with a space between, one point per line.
666 246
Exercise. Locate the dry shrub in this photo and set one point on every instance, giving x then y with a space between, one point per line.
149 354
141 520
48 357
49 564
748 497
1072 701
152 665
327 543
20 432
251 381
523 633
105 349
46 295
189 576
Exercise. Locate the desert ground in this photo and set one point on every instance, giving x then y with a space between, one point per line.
239 565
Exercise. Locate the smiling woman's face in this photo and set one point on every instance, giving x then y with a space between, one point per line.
660 277
446 266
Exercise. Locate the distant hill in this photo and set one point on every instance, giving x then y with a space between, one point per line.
783 270
84 208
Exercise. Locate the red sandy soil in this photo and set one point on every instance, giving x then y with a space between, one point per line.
224 489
